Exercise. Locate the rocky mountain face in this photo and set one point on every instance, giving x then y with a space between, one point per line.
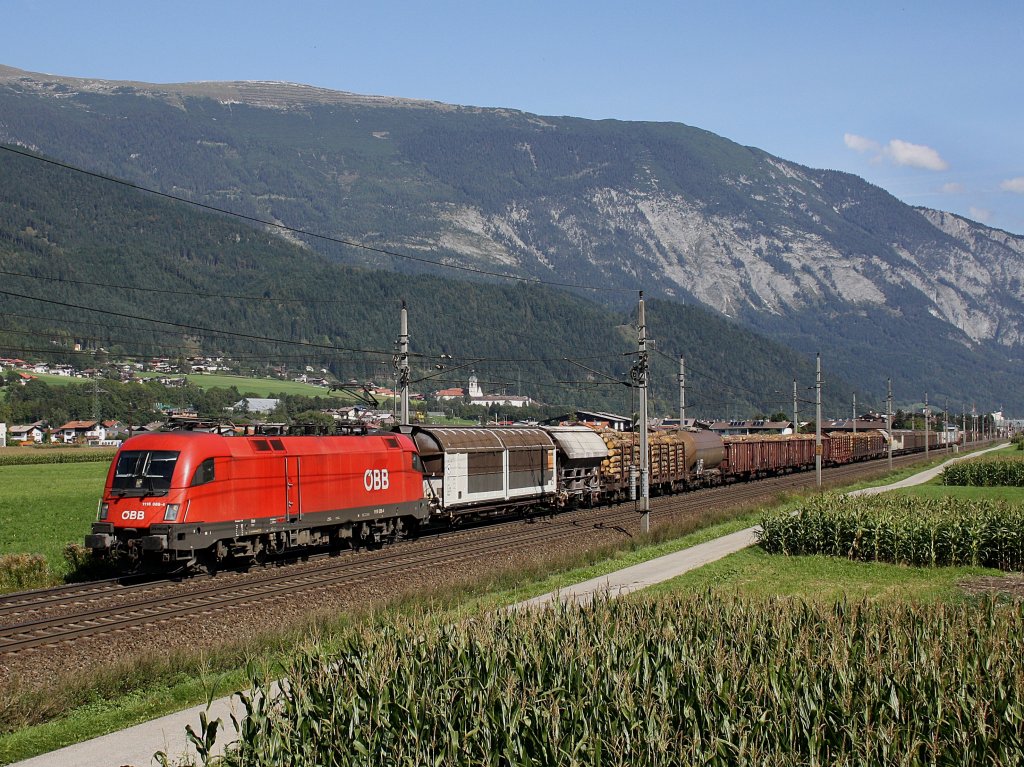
811 257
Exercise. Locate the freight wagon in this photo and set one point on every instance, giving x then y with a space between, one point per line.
753 456
677 460
847 447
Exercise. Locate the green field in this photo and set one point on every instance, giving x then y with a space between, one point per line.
254 387
44 507
755 573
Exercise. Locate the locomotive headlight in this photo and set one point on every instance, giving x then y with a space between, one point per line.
171 512
104 508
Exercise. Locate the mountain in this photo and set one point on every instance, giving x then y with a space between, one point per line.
818 259
85 261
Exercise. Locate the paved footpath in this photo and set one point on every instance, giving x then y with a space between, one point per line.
136 745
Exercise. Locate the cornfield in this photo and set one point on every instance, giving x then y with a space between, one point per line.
678 681
1007 471
901 530
31 456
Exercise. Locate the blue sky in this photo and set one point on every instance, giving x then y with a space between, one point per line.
924 99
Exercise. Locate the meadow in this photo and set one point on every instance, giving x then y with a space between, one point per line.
44 507
253 387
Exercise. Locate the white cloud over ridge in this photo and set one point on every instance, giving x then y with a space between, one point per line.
859 143
980 214
898 152
1013 185
951 188
915 155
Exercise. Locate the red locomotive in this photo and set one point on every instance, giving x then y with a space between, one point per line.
185 497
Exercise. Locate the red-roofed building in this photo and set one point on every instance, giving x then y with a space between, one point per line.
74 432
448 394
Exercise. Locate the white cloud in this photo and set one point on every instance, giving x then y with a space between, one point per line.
897 151
859 143
979 214
951 188
914 155
1013 185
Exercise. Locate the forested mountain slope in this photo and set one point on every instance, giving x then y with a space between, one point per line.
815 258
86 246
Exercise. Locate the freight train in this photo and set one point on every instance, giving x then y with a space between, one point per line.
187 499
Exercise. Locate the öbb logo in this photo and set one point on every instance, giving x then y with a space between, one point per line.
375 479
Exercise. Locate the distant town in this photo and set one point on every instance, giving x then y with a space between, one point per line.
375 407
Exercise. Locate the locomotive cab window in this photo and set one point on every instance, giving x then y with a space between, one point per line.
203 473
140 472
417 464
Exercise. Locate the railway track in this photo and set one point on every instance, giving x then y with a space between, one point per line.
64 614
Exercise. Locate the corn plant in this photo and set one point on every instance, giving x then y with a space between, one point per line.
901 530
696 679
1007 471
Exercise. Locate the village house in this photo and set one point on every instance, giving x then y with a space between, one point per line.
757 426
78 432
256 405
449 394
32 432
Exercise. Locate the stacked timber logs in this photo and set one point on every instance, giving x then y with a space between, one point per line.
766 437
667 455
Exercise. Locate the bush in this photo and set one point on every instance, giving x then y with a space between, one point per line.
83 564
20 572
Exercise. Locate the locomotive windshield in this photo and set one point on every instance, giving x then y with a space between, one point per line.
144 472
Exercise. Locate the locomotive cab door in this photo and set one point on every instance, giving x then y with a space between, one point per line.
292 489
